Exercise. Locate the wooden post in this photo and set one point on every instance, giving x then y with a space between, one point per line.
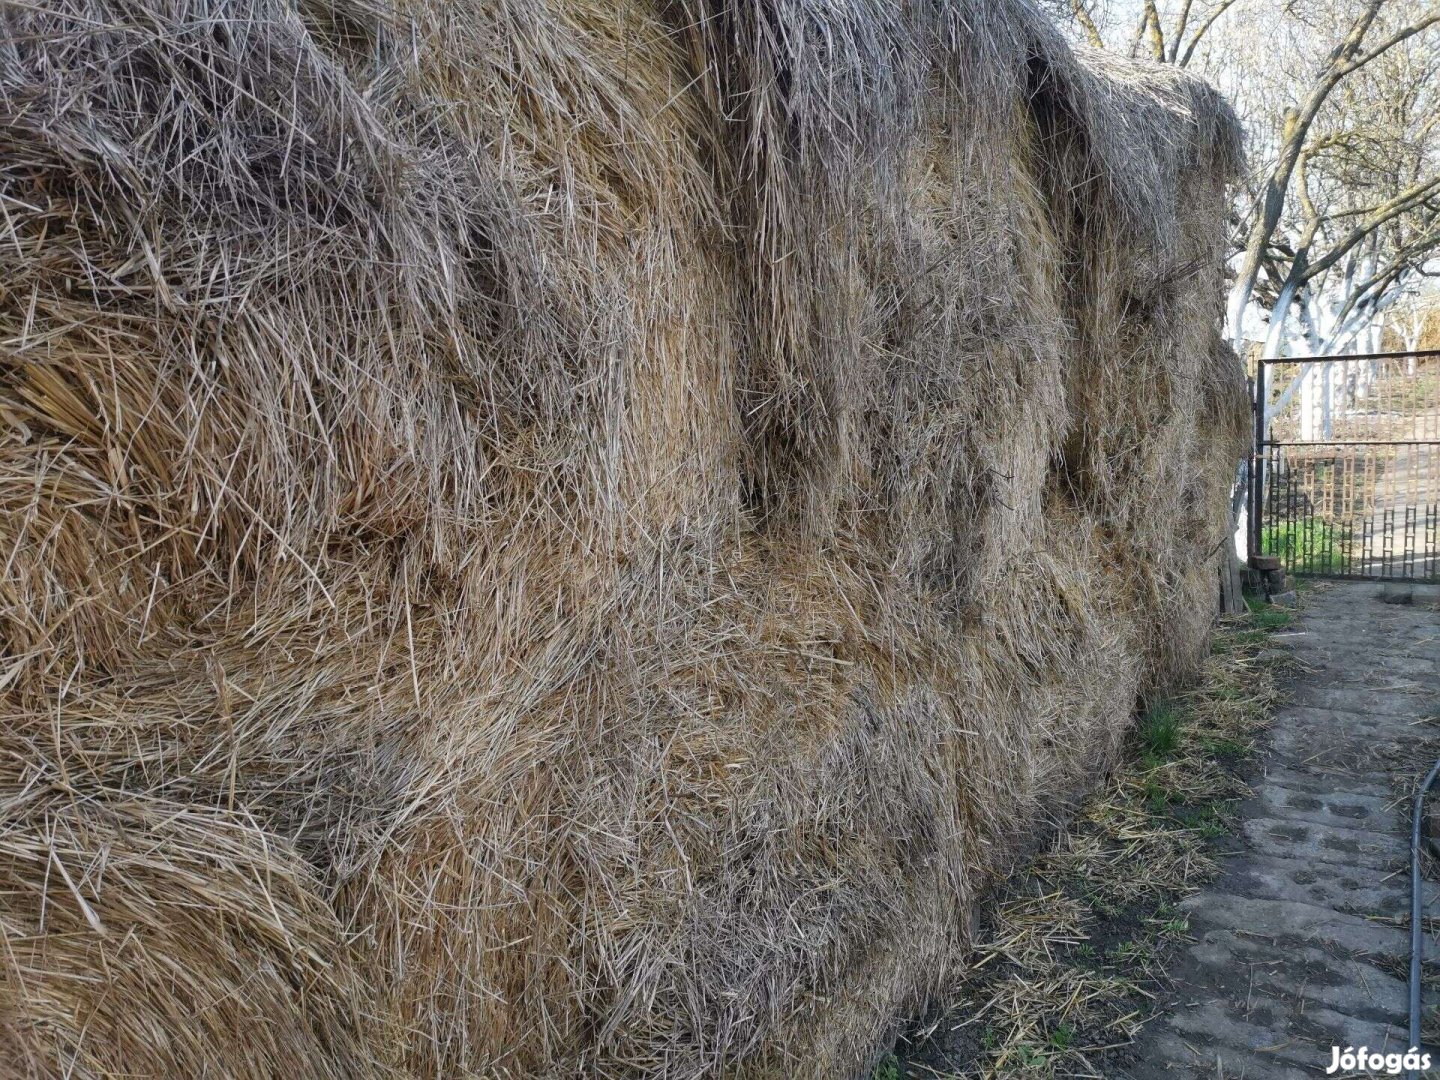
1232 596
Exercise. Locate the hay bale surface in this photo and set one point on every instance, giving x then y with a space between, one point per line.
553 538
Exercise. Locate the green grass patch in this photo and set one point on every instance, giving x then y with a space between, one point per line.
1158 797
1208 821
1224 748
1131 952
1063 1037
1241 639
1265 616
1274 618
1159 736
1305 546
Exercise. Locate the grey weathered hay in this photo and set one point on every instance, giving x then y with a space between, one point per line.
557 538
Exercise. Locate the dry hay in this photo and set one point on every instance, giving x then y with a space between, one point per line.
548 538
1073 947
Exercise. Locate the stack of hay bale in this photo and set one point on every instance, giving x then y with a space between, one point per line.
563 537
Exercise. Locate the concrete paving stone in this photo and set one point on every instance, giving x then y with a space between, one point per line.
1327 749
1270 1037
1369 667
1304 717
1353 1031
1351 891
1375 701
1332 782
1362 853
1339 808
1303 722
1422 646
1426 594
1180 1057
1296 921
1305 974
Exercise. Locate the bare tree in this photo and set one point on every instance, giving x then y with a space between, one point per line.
1341 99
1361 227
1347 198
1365 218
1354 51
1169 32
1412 317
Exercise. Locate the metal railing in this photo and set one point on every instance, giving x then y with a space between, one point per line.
1345 474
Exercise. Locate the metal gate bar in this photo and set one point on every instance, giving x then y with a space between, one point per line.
1345 471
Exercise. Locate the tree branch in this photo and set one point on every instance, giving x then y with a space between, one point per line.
1082 16
1390 42
1407 200
1220 9
1180 23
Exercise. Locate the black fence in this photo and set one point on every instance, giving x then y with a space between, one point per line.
1345 478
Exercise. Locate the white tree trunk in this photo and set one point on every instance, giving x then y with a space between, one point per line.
1309 404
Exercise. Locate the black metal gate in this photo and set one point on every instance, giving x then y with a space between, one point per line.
1345 478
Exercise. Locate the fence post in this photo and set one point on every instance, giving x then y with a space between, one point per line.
1257 459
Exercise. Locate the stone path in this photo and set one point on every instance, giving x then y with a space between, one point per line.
1303 942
